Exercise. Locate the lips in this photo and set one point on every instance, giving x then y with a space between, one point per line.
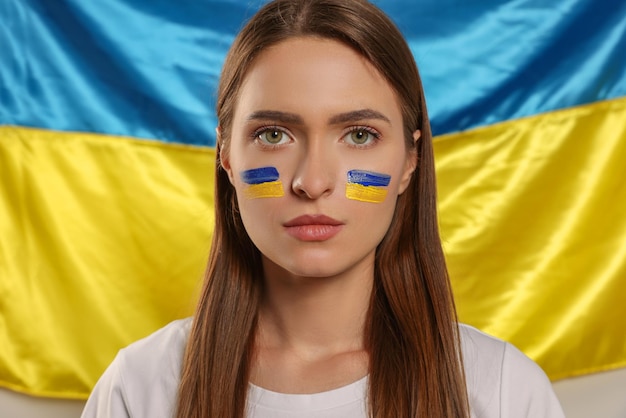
313 227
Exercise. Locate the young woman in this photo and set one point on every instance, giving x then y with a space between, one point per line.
326 293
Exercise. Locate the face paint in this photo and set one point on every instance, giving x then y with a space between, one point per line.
263 182
367 186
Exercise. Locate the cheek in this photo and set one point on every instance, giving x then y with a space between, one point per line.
258 211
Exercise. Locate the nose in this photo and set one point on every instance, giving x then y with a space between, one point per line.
315 175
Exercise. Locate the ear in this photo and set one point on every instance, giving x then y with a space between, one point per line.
410 164
224 157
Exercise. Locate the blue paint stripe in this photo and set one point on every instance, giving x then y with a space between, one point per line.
368 178
259 175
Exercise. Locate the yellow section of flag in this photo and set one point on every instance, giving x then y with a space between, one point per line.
102 241
533 218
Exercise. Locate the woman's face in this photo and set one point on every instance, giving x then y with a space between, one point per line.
317 157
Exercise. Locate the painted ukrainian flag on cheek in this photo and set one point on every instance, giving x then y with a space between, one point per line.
107 160
262 182
367 186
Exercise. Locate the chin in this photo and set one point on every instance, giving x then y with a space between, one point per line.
296 267
314 272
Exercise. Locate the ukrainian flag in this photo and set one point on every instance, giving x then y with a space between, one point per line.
107 157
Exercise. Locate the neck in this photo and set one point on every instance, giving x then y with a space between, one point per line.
315 315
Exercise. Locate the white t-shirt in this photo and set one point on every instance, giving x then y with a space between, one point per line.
142 382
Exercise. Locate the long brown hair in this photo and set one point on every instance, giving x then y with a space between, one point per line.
411 331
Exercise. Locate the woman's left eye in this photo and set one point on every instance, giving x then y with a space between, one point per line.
361 137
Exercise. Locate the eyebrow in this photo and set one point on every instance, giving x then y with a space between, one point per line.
357 115
293 118
282 117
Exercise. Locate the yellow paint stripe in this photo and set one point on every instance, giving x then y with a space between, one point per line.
268 189
371 194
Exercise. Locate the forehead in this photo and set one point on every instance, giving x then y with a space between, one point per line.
315 73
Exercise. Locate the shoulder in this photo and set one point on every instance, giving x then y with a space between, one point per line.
502 381
164 346
142 380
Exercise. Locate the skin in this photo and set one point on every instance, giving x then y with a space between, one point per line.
313 92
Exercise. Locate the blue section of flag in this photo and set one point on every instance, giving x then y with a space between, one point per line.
368 178
70 65
259 175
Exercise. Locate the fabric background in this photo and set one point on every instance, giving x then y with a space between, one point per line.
106 173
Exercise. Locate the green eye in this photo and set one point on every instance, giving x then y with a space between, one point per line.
359 136
272 136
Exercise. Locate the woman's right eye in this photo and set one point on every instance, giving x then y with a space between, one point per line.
272 136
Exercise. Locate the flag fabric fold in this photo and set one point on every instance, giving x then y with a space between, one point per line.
535 237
